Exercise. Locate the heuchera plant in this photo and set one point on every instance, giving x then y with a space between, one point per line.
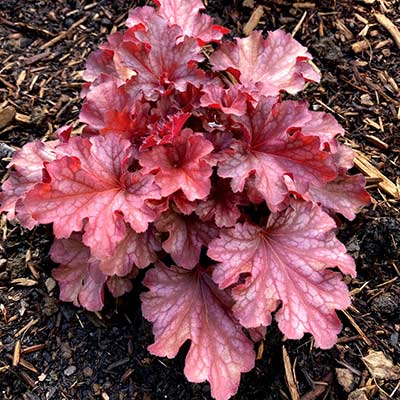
191 164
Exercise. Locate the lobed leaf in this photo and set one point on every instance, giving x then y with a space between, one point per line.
266 66
288 262
92 184
187 305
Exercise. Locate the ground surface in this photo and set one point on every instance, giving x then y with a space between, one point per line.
79 355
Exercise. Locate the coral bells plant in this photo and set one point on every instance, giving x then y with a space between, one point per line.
191 165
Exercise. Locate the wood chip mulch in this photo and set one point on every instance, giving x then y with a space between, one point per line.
50 350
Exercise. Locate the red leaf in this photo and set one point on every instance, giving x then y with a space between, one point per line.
92 183
273 152
108 108
159 61
119 286
187 234
81 281
345 195
181 165
107 61
187 305
82 277
266 66
186 14
288 262
230 101
136 249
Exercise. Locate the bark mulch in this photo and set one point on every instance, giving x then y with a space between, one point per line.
50 350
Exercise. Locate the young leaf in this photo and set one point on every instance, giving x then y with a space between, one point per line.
266 66
186 14
159 62
136 249
187 305
221 205
181 165
288 262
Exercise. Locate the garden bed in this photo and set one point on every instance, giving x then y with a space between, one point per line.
69 353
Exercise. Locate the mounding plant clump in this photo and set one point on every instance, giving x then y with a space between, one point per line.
191 165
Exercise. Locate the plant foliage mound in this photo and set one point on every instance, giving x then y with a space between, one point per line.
191 165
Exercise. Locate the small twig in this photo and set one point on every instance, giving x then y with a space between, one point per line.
63 35
357 328
294 392
298 26
26 327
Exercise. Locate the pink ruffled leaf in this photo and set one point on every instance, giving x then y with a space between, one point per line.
92 184
135 250
186 14
107 61
288 262
266 66
159 61
345 195
187 234
80 275
277 148
80 281
187 305
230 101
108 108
26 170
181 165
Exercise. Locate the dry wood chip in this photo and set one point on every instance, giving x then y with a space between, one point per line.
358 394
377 142
359 46
389 26
7 115
4 368
290 380
363 164
366 100
32 349
254 20
24 282
344 30
345 379
304 5
380 366
17 353
25 119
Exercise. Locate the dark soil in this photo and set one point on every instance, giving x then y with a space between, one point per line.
81 355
